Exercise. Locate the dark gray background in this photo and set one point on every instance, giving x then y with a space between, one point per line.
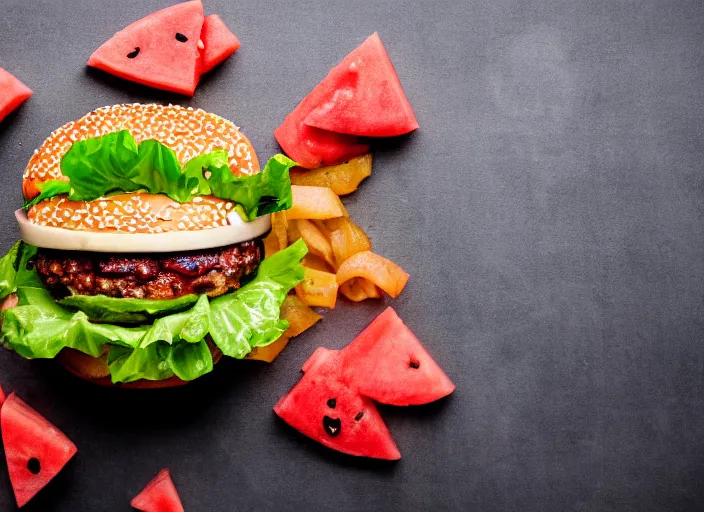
549 210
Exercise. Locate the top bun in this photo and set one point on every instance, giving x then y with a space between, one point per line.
189 132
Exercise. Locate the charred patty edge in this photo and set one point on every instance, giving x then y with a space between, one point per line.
213 272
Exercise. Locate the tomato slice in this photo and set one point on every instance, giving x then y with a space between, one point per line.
35 450
159 495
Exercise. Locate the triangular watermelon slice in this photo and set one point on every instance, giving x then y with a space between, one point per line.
361 96
364 96
332 402
159 495
311 147
160 50
328 411
12 93
35 449
387 363
218 41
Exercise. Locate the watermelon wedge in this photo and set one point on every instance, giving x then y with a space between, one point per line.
159 495
34 448
387 363
332 403
364 96
335 415
218 41
360 97
160 50
312 147
12 93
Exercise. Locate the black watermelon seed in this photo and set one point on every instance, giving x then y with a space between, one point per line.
414 364
332 426
34 466
332 403
133 54
359 416
181 38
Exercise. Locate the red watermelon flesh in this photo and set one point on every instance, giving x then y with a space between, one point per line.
328 411
12 93
387 363
311 147
363 96
218 41
160 50
34 448
159 495
2 397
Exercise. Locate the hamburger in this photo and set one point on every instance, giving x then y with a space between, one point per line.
141 261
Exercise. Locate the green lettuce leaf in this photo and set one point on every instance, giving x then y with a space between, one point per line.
8 270
174 344
26 276
266 192
39 328
191 326
114 163
249 317
188 361
159 361
101 308
15 271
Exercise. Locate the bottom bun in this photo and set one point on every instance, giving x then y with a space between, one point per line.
95 370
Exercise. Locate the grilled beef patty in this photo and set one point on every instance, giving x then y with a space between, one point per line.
149 276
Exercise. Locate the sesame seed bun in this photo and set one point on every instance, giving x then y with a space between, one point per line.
188 132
